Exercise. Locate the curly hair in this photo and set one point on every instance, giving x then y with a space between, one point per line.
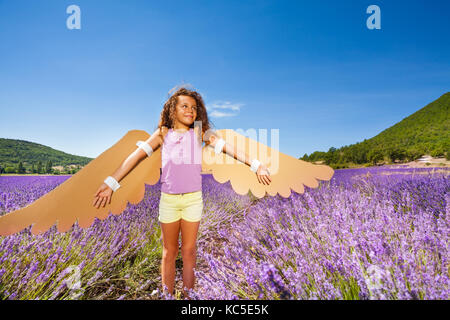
167 118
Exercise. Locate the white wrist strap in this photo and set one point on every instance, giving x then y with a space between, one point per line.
255 165
145 146
219 146
112 183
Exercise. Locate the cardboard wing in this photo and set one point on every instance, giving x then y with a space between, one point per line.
286 172
73 199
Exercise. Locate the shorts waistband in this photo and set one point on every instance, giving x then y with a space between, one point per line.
180 194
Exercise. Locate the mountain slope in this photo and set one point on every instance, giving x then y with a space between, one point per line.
427 126
426 131
12 151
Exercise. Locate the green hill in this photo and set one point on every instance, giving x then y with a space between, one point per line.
427 131
25 154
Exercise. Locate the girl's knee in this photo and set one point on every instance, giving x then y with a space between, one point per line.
170 253
188 251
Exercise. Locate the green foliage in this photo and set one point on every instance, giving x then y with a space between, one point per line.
39 167
48 167
10 170
375 156
438 151
305 157
427 131
18 156
20 168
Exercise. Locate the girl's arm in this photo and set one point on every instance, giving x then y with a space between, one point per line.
262 173
136 156
104 192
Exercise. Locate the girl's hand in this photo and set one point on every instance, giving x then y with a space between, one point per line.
263 175
102 196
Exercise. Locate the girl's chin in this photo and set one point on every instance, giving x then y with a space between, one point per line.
187 122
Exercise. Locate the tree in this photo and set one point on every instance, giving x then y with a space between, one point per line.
48 167
413 154
375 155
10 170
39 167
305 157
331 156
20 168
438 151
359 155
396 153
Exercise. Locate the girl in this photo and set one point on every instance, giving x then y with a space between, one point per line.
181 202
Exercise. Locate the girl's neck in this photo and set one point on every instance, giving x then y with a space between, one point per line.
179 127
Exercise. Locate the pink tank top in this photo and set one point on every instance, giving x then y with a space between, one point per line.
181 157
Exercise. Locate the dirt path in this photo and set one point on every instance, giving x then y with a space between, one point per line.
427 162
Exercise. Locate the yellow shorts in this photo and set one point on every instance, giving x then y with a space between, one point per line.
186 206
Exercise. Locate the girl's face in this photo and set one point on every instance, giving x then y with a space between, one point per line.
186 110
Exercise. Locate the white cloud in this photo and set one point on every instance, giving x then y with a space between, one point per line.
218 114
219 109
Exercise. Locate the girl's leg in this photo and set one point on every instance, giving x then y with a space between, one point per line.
170 233
189 252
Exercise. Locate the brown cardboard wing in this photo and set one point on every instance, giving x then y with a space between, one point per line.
73 199
285 171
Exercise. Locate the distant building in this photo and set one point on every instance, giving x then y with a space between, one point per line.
425 158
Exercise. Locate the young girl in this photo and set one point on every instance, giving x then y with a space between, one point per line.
181 202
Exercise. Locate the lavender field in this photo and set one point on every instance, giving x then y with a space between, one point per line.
371 233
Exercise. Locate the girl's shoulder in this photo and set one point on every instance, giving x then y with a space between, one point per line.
164 130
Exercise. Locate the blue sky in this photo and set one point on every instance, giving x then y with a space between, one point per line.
311 69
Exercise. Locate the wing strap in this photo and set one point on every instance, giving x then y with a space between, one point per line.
145 146
219 146
112 183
